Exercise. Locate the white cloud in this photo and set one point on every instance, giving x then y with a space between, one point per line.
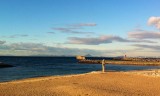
38 49
30 49
50 32
15 36
2 42
153 47
154 21
74 28
84 24
101 40
143 34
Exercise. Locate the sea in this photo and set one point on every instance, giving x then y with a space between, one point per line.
30 67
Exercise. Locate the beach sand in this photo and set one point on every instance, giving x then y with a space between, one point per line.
134 83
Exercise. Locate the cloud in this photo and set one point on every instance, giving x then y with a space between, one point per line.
89 41
72 31
101 40
30 49
154 21
26 46
64 29
39 49
18 35
74 28
2 42
153 47
15 36
84 24
78 32
51 32
142 34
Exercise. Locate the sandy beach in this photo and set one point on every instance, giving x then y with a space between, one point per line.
135 83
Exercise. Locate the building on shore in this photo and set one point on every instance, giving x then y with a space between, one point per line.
80 57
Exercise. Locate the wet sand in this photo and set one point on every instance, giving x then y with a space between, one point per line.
134 83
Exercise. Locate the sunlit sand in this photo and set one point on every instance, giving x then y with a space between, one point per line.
133 83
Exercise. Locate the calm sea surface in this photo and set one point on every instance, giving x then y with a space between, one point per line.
27 67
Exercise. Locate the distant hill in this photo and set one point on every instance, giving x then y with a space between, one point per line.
88 55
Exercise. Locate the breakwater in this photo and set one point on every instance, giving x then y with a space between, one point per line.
122 62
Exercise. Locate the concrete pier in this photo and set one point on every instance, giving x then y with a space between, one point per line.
121 62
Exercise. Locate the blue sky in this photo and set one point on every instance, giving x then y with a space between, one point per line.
79 27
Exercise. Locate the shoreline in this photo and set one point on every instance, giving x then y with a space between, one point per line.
47 77
110 83
147 72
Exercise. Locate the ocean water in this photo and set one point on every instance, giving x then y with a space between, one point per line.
28 67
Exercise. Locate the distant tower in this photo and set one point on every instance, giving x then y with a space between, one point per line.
124 54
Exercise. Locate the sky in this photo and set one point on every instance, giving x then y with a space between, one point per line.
80 27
